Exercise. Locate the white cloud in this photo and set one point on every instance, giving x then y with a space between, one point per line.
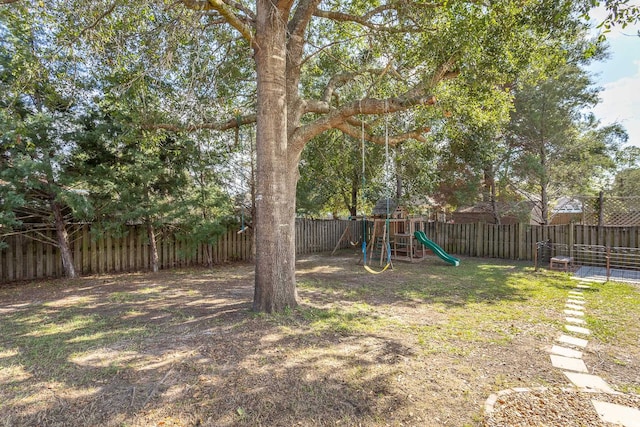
621 103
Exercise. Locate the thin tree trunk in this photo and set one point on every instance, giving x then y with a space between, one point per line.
209 255
544 185
544 206
489 192
275 287
63 241
207 245
494 205
153 247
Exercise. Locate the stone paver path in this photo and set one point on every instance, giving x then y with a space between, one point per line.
567 355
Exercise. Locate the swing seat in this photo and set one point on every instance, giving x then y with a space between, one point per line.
372 271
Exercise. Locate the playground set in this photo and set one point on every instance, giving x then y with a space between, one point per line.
397 238
392 236
403 239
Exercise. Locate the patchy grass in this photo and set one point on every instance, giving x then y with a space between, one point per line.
613 309
423 344
612 316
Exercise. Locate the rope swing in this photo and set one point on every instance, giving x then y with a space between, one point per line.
385 235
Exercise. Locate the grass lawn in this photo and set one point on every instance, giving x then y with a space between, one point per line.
422 345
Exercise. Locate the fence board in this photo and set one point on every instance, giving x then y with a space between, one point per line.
131 250
3 267
10 255
39 257
117 256
29 272
19 263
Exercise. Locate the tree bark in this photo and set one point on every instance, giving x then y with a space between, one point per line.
489 192
153 247
63 240
544 185
276 176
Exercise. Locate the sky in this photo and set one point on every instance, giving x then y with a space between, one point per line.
619 78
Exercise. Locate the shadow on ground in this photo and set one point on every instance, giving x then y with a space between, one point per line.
183 348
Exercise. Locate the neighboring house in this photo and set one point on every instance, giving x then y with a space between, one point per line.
562 211
510 213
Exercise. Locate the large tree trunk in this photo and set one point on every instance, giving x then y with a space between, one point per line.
63 241
275 287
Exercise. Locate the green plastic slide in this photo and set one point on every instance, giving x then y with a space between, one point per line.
422 238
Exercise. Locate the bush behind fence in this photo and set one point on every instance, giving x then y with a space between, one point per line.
26 258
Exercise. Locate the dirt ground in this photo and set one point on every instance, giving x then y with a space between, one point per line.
182 348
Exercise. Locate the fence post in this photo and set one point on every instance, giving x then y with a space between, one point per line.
571 238
608 258
601 209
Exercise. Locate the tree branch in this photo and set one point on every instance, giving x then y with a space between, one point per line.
248 12
444 72
223 9
356 133
365 20
236 122
394 5
305 10
335 118
339 80
34 234
320 49
335 82
98 19
285 4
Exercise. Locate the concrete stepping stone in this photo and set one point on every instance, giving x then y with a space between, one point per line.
574 306
578 342
617 414
574 312
590 382
568 363
574 292
575 320
575 301
567 352
582 286
577 329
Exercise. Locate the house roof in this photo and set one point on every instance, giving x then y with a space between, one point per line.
381 206
566 204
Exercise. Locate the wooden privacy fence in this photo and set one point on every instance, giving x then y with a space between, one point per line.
26 258
517 241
